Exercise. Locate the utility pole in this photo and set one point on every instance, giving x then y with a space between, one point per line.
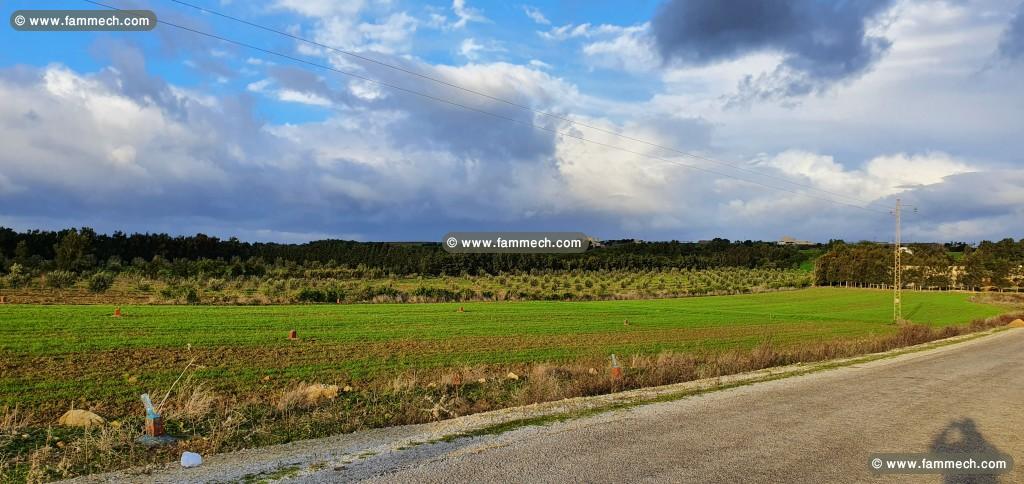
897 269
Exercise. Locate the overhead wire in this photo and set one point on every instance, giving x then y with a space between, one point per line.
484 112
477 92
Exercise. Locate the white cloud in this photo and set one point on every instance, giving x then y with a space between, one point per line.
585 30
880 177
260 85
630 49
536 15
392 35
268 87
339 25
366 90
465 14
539 64
95 137
309 98
567 31
627 48
436 21
322 8
472 50
469 48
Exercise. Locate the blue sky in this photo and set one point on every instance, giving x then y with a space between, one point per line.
859 102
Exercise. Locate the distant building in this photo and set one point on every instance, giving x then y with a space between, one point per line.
787 240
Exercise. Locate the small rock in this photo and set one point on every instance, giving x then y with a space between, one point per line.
60 444
512 376
482 380
80 418
592 371
191 459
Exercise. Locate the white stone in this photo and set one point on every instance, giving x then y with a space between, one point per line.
191 459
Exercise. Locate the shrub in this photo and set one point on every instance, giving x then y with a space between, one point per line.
61 279
320 295
191 295
435 294
101 282
18 276
309 294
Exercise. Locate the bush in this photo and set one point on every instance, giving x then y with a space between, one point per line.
61 279
18 276
101 282
436 294
328 294
191 295
215 284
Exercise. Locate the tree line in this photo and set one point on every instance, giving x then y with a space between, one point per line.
83 251
954 265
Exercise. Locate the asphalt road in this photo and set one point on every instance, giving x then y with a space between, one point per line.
814 428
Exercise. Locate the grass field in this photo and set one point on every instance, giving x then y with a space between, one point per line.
53 355
397 357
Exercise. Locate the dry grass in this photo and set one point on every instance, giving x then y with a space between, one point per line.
305 395
13 420
1003 298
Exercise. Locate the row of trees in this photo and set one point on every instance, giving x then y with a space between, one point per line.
162 256
990 264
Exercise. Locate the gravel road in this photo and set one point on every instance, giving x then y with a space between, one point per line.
816 428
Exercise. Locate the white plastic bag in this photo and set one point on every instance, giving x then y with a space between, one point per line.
191 459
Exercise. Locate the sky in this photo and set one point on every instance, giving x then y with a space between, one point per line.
660 120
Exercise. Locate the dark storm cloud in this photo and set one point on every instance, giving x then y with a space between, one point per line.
473 135
1011 46
823 42
971 196
127 74
466 131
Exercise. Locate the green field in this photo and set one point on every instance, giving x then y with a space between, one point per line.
54 355
405 363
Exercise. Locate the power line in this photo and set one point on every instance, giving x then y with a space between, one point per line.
484 112
513 103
